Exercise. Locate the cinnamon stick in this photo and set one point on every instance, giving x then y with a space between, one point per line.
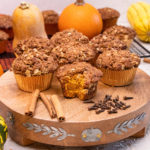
48 104
58 108
147 60
30 109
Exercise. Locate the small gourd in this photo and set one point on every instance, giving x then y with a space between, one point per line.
83 17
3 132
27 22
138 16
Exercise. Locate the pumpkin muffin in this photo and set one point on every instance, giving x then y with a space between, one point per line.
34 70
33 43
51 21
6 25
67 36
122 33
3 41
69 53
102 42
118 67
109 17
79 80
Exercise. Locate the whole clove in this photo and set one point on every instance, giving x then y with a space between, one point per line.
127 98
112 105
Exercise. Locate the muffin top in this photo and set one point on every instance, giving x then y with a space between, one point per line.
34 43
117 60
3 35
108 13
120 32
70 53
70 35
90 73
5 22
34 64
102 42
50 16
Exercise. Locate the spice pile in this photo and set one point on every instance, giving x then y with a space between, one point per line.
109 104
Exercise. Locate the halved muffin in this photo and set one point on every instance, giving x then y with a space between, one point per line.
79 80
34 70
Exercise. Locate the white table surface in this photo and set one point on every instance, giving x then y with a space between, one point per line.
58 5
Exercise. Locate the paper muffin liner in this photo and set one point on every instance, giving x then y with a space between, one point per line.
29 84
3 45
107 23
118 78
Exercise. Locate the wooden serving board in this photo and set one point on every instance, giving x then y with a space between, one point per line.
82 127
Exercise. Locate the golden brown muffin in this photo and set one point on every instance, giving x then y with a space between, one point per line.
3 41
34 43
102 42
6 25
67 36
118 67
122 33
69 53
79 80
34 70
109 17
51 21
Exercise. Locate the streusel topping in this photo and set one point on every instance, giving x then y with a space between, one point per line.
117 60
34 64
34 43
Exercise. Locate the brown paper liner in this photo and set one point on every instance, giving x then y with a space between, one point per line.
3 45
107 23
29 84
118 78
51 28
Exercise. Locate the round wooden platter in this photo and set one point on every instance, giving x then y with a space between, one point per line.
82 127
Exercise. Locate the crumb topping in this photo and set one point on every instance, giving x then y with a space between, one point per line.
90 73
70 35
34 64
102 42
70 53
34 44
108 13
5 21
121 32
50 16
117 60
3 35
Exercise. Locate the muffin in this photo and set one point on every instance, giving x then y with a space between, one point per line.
118 67
3 41
6 25
67 36
78 80
33 43
122 33
34 70
69 53
109 17
101 43
50 21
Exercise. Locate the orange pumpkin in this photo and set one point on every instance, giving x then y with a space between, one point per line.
27 22
83 17
1 70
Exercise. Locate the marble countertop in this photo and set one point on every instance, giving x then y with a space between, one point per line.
127 144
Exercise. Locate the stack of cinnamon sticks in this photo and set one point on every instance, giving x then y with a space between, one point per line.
53 105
